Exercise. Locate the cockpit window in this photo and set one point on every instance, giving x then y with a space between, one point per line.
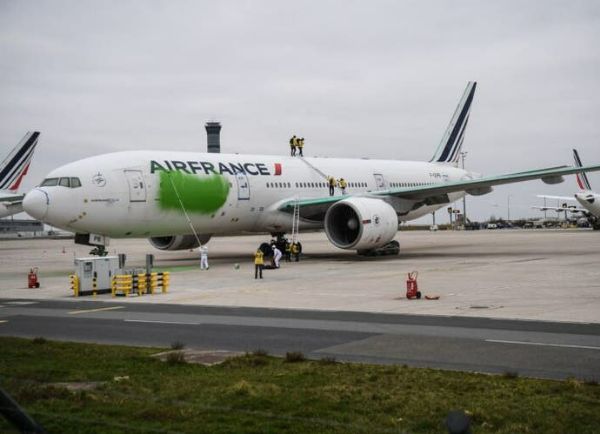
49 182
63 182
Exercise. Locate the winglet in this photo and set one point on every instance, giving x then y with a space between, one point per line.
449 148
582 179
15 165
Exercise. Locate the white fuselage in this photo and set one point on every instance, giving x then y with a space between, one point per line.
590 201
120 193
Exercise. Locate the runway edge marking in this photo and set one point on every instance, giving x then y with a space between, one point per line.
161 322
542 344
101 309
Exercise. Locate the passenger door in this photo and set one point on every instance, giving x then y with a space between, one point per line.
243 187
137 186
380 183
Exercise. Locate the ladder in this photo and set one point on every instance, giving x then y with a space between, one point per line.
295 221
313 167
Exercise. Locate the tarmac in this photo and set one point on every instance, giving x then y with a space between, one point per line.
543 275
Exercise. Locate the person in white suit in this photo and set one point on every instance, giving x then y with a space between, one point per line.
276 256
203 257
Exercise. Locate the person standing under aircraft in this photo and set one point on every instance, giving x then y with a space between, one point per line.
343 184
276 256
288 251
331 182
300 144
296 251
259 262
203 257
293 145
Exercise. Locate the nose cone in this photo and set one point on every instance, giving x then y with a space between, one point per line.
35 203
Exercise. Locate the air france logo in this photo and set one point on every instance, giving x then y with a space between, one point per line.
208 168
99 180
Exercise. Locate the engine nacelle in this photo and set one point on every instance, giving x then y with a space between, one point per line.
178 242
557 179
360 223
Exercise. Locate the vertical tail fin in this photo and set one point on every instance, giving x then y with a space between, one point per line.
449 148
15 165
582 179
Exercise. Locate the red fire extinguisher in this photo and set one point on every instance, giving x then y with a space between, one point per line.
32 278
412 289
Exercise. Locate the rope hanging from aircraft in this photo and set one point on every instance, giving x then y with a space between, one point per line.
184 210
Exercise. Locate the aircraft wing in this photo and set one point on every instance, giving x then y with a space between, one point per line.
560 208
10 205
544 196
314 209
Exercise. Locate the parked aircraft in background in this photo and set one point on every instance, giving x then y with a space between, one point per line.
12 171
178 199
589 201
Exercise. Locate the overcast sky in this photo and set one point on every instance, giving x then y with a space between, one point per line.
378 79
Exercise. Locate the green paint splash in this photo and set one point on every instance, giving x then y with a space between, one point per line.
198 194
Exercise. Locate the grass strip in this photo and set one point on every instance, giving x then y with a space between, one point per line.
118 389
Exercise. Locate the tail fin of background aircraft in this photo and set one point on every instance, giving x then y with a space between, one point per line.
582 179
449 148
15 166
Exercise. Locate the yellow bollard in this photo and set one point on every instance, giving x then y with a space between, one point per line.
141 284
153 282
74 284
166 280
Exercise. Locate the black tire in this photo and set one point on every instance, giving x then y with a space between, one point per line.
418 295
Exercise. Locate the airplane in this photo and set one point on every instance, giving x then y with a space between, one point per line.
12 171
179 199
589 200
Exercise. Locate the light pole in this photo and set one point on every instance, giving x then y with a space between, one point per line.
508 208
463 155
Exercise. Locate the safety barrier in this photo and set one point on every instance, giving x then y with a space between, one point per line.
121 283
127 284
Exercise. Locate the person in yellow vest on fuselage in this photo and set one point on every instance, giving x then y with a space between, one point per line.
293 143
331 183
259 262
300 146
343 184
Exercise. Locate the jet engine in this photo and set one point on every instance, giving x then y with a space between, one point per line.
178 242
360 223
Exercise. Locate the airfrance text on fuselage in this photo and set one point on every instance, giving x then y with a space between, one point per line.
194 167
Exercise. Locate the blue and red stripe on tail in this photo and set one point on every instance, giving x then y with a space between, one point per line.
449 148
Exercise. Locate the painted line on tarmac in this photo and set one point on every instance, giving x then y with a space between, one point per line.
3 321
542 344
20 303
161 322
101 309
